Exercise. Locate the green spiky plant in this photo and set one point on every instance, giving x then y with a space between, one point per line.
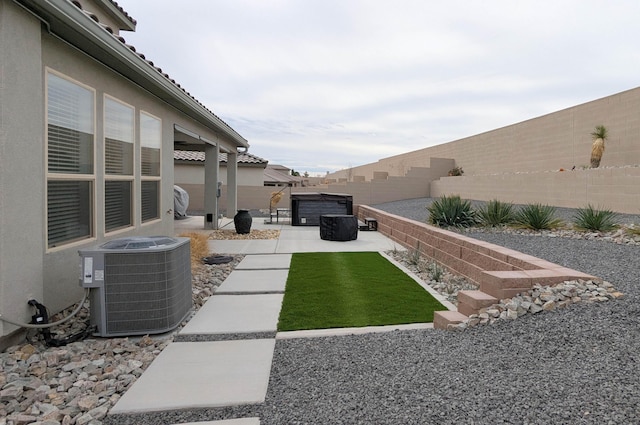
599 136
496 213
537 217
452 211
590 218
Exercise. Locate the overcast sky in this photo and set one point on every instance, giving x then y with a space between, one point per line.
321 85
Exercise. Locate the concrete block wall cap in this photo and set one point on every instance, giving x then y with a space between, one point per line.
476 295
507 274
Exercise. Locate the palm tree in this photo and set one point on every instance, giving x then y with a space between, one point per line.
597 148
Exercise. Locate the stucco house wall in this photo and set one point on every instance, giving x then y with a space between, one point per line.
21 163
185 173
28 267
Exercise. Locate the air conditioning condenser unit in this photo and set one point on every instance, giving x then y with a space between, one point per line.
138 285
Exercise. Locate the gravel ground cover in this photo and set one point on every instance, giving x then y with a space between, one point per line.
577 365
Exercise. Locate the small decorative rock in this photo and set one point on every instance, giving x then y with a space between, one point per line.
77 384
546 298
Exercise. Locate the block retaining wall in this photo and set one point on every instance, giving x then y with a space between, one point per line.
499 272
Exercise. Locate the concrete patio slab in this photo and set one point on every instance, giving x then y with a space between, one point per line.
202 374
255 246
265 262
232 314
254 281
319 245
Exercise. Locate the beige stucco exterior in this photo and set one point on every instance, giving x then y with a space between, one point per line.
188 174
29 50
415 184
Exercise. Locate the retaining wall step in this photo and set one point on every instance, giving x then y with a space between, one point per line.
470 302
442 319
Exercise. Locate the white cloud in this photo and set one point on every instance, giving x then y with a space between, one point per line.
324 84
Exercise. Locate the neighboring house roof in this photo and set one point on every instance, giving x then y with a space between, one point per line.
198 157
120 9
280 174
67 20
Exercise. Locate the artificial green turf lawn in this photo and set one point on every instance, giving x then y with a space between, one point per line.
351 289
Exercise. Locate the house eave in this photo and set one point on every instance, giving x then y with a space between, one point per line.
72 25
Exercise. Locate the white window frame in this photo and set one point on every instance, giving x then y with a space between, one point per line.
123 176
150 178
52 176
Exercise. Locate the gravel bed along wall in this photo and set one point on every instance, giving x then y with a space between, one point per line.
577 365
416 209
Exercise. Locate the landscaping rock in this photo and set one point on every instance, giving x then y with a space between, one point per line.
78 383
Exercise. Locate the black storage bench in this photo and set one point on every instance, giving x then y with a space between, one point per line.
338 227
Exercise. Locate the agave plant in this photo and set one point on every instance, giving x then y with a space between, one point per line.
537 217
496 213
452 211
590 218
597 148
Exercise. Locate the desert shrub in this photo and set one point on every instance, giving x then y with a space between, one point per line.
496 213
199 247
590 218
456 171
452 211
413 256
633 230
537 217
436 271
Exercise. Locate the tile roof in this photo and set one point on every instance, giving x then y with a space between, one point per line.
279 174
150 63
124 12
197 156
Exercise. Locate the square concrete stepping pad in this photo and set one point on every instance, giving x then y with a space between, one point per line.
252 281
232 314
190 375
265 262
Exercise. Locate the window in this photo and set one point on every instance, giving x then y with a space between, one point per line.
150 142
118 164
70 161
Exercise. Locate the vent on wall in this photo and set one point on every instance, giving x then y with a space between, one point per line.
139 285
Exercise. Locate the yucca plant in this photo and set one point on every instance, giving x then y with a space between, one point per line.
537 217
452 211
597 148
590 218
496 213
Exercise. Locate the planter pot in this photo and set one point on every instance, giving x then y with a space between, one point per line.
242 220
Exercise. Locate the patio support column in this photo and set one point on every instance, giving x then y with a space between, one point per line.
211 170
232 184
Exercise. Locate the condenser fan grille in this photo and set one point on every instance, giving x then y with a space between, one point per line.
147 291
137 291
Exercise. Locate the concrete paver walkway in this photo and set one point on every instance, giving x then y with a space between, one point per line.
213 365
225 314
